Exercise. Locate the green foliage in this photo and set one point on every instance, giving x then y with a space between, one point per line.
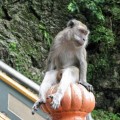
93 6
46 34
73 6
116 12
102 31
21 61
104 115
102 62
12 46
102 34
91 69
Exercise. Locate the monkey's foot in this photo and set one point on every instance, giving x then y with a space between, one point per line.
36 106
56 100
88 86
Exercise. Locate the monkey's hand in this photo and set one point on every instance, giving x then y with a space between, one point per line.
56 100
88 86
36 105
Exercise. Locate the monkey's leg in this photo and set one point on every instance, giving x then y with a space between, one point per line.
48 81
69 75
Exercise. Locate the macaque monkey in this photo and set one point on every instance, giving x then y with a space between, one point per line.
66 63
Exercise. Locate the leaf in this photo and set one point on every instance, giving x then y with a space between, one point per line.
41 26
72 6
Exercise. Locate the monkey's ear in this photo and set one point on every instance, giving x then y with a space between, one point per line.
70 24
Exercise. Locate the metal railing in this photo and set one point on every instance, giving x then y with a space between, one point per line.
18 76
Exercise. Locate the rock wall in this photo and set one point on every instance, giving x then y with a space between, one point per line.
27 28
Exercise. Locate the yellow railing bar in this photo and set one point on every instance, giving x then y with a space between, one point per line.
3 117
18 87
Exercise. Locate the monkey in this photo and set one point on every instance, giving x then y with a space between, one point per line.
66 63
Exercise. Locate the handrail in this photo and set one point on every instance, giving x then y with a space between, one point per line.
18 76
3 116
20 88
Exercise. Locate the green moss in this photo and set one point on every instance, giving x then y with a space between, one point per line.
104 115
20 56
46 35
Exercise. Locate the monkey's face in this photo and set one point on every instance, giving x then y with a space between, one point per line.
80 32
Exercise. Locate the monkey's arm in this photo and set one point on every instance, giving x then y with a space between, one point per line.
83 66
83 71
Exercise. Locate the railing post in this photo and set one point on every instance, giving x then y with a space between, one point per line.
75 105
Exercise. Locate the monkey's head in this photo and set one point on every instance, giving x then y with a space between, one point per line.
79 32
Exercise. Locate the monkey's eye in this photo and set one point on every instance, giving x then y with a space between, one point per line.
85 32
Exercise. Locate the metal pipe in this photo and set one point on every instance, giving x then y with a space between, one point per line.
13 73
